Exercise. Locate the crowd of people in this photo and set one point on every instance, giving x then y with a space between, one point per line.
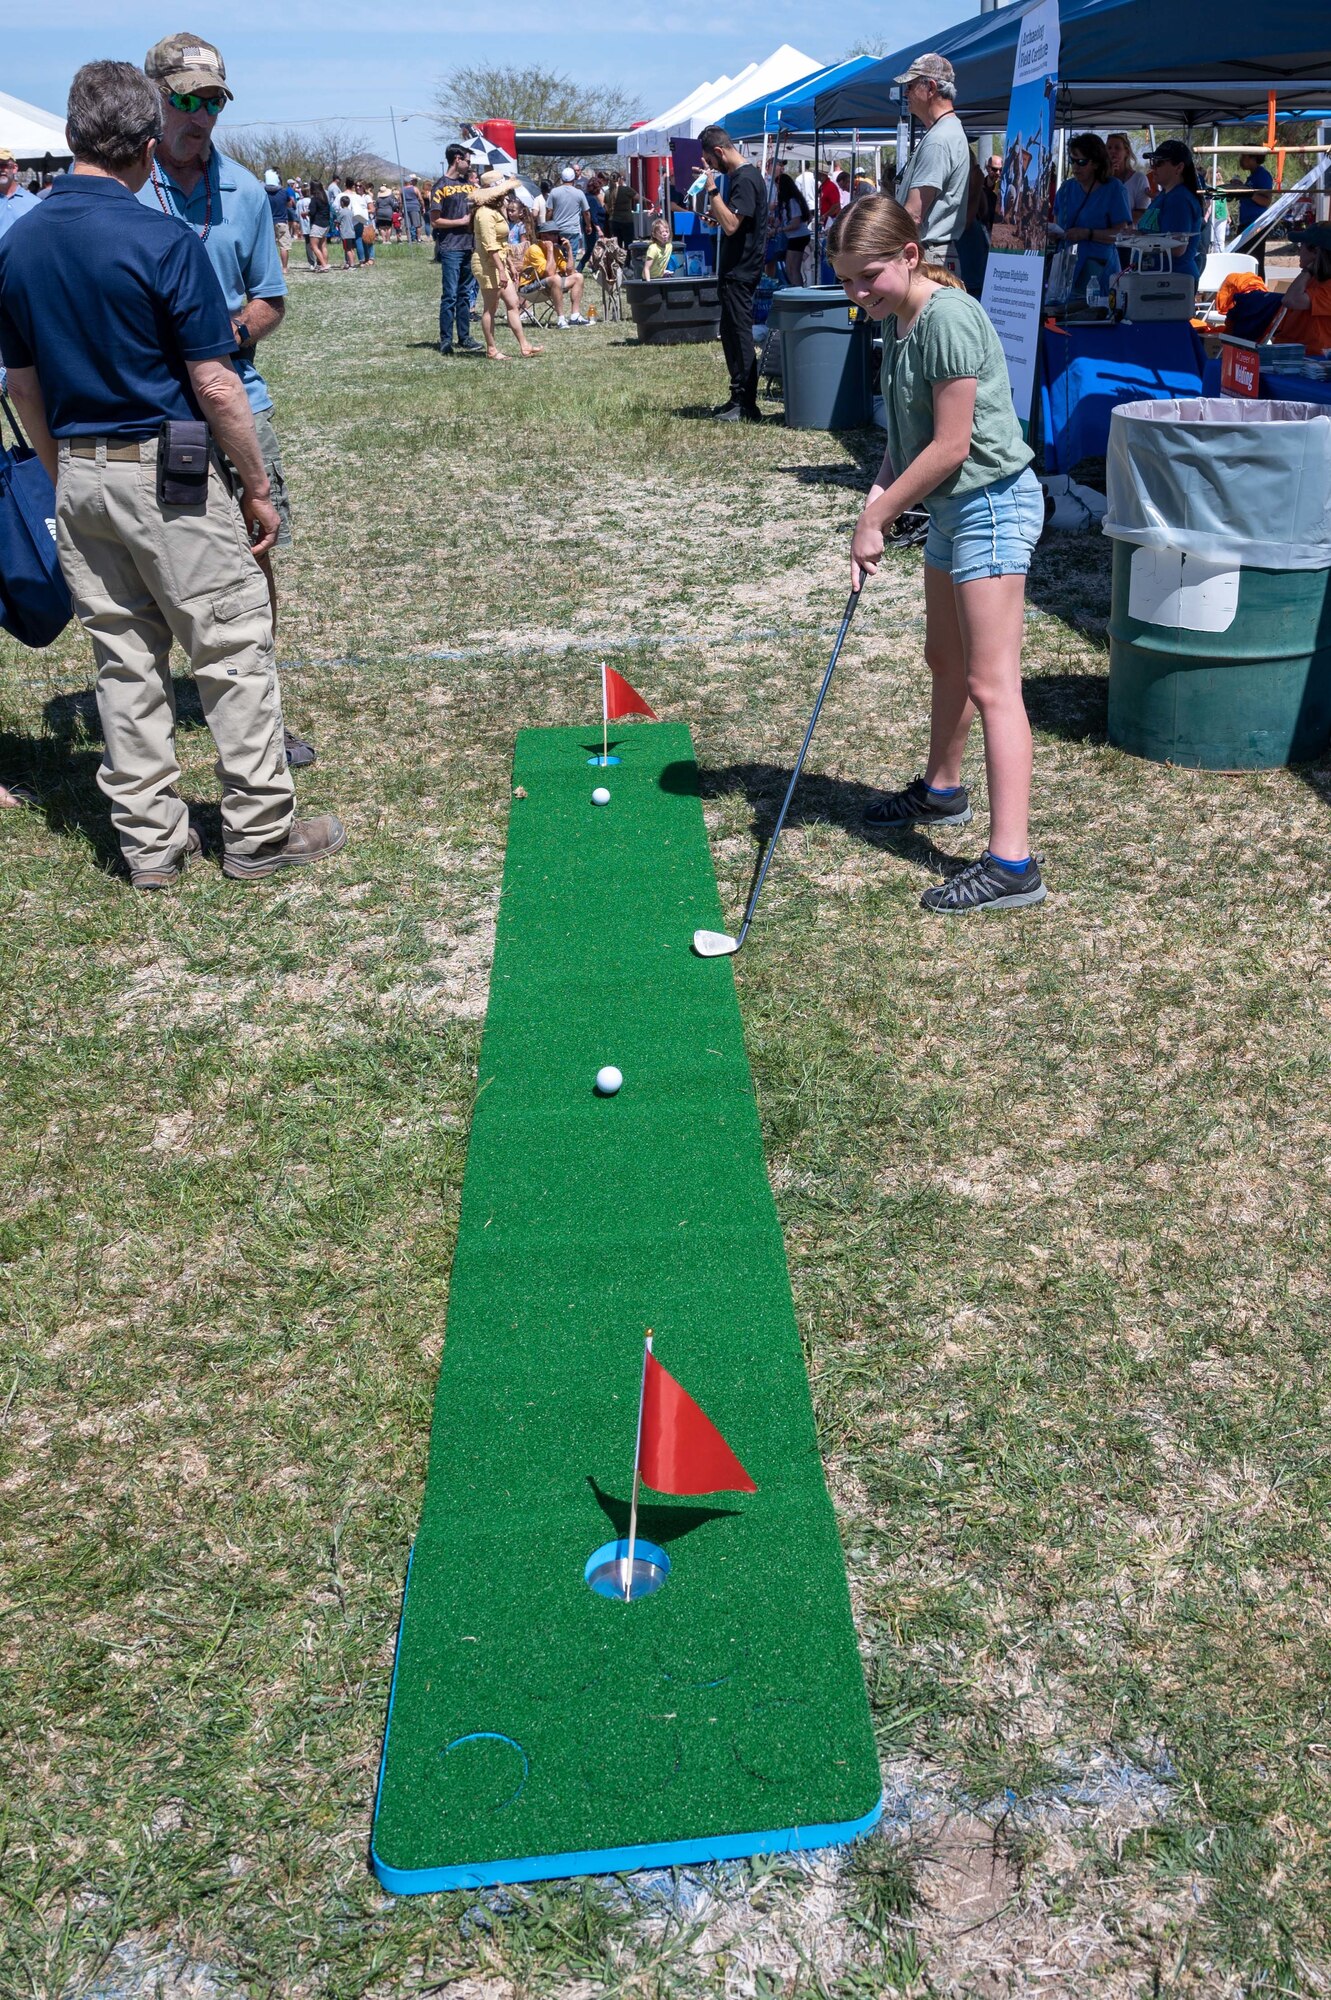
181 312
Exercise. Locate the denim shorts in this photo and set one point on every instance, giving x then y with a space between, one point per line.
989 533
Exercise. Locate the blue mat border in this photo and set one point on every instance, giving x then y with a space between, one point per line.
593 1860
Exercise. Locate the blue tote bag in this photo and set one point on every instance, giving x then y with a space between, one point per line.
34 598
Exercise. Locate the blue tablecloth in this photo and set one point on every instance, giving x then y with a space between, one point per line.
1086 370
1279 388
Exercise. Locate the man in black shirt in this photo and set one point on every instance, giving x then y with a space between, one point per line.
450 220
741 247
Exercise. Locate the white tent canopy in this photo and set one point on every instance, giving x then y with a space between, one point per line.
782 68
649 141
32 135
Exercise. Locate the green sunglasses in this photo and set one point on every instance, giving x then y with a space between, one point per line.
190 100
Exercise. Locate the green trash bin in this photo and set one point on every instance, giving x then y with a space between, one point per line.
1220 620
825 358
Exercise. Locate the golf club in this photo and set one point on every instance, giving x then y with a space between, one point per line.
718 944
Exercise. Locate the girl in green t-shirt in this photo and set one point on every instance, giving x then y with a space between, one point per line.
954 446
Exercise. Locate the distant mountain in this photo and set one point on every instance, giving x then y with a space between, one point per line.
373 166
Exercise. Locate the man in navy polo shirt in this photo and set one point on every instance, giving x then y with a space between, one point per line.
113 329
228 210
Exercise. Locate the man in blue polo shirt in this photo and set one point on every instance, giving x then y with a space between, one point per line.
228 210
14 200
117 341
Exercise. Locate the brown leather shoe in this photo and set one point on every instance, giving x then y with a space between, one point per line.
166 878
308 840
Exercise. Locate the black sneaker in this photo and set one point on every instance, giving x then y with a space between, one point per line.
443 349
470 347
728 413
986 885
917 806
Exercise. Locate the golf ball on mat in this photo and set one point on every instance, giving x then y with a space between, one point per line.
600 797
608 1080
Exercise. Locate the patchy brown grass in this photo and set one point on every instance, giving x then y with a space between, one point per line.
1054 1191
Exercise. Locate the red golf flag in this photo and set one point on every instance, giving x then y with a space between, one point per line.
618 699
682 1450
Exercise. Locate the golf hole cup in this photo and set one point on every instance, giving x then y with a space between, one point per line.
607 1572
609 1080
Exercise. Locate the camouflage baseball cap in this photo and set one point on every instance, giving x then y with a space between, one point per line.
932 69
187 62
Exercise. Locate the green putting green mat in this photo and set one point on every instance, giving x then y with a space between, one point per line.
535 1728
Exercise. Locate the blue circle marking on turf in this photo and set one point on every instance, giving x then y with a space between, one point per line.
603 760
495 1736
604 1571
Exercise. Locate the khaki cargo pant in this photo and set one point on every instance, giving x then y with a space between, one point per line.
141 575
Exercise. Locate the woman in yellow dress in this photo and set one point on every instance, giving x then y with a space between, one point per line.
490 266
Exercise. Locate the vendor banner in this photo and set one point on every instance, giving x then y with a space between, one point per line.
1014 276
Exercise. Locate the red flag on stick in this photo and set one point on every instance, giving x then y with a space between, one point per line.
618 699
679 1450
682 1450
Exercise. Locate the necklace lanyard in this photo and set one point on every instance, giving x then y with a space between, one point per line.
171 209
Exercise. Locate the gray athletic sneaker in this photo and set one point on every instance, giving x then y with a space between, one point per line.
986 885
917 806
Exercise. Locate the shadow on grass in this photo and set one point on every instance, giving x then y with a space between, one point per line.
1073 706
818 799
60 768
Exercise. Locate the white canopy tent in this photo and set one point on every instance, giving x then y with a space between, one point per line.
35 137
650 140
782 68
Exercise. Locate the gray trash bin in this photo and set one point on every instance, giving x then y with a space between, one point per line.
825 365
671 312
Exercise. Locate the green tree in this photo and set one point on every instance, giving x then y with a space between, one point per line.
319 152
540 100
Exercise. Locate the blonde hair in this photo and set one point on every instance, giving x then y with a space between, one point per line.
878 226
1126 144
659 222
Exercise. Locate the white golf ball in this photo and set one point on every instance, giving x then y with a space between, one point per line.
600 797
608 1080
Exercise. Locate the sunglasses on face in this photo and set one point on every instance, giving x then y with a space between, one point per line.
1076 160
190 100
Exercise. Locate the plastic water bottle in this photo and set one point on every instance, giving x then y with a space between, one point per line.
1093 298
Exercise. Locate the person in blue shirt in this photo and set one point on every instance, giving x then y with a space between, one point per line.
1092 209
14 200
1176 209
1254 199
117 340
229 212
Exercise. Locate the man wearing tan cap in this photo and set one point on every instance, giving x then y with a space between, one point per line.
226 207
14 200
936 181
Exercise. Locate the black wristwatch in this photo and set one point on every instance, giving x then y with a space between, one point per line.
242 334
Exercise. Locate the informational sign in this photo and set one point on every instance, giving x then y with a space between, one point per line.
1014 276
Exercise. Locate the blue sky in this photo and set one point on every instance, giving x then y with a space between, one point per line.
299 59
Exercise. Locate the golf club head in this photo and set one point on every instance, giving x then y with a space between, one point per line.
714 944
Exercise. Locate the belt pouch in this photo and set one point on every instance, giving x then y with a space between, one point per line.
182 463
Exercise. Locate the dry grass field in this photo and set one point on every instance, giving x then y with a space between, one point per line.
1054 1187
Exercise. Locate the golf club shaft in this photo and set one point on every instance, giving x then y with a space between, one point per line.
851 602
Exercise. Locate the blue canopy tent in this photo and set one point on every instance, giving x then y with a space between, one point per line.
1133 62
792 110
